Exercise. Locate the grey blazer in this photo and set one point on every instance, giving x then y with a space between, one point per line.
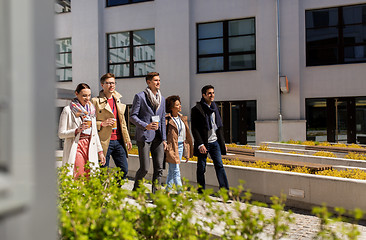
141 114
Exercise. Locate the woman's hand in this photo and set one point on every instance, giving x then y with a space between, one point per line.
81 128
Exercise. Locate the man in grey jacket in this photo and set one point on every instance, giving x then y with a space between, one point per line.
148 115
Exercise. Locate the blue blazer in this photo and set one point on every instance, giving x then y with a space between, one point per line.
141 114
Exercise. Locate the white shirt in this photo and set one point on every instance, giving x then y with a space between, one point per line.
212 132
181 128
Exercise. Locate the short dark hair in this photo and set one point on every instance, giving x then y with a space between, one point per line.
205 88
170 101
151 75
81 86
105 77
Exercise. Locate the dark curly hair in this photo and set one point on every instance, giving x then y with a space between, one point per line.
170 101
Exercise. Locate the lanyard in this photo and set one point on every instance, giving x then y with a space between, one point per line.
113 106
179 125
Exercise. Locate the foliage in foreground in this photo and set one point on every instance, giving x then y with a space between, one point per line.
98 208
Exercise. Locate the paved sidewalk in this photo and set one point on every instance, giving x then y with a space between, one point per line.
305 226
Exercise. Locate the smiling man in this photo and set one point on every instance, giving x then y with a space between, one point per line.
148 115
111 123
208 134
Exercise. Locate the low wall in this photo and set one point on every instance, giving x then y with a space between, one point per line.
311 159
267 130
284 145
302 190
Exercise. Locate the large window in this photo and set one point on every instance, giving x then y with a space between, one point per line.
111 3
62 6
64 60
336 35
131 54
226 46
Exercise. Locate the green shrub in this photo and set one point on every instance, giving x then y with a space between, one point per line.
96 207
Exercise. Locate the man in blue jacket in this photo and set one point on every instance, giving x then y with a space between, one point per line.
148 115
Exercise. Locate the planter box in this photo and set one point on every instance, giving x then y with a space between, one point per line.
302 190
311 159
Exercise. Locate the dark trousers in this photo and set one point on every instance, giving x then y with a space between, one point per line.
156 148
119 155
215 152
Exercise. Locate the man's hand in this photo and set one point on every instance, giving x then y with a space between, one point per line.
203 149
153 126
129 146
102 158
108 122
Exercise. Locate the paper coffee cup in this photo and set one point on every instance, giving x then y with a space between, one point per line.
88 123
114 124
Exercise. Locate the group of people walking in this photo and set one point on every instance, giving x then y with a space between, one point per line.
95 129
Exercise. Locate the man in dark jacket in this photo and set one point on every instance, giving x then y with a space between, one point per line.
208 134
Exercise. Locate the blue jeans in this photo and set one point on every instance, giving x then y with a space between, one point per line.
119 155
174 172
215 152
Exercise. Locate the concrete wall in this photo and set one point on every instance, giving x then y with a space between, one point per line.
291 129
175 23
302 190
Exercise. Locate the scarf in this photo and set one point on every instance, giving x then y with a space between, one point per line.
154 100
209 109
87 111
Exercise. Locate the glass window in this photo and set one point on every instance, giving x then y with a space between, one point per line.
361 119
242 62
144 37
226 46
355 54
119 39
336 35
145 53
316 119
210 64
241 44
210 46
111 3
64 60
241 27
62 6
131 54
354 14
210 30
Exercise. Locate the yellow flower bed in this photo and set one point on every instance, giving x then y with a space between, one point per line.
236 146
308 143
326 144
298 153
325 154
355 156
349 173
266 148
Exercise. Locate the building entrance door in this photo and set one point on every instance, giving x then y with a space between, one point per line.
238 118
341 120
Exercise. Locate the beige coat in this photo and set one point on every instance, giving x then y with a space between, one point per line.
171 153
103 111
66 130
